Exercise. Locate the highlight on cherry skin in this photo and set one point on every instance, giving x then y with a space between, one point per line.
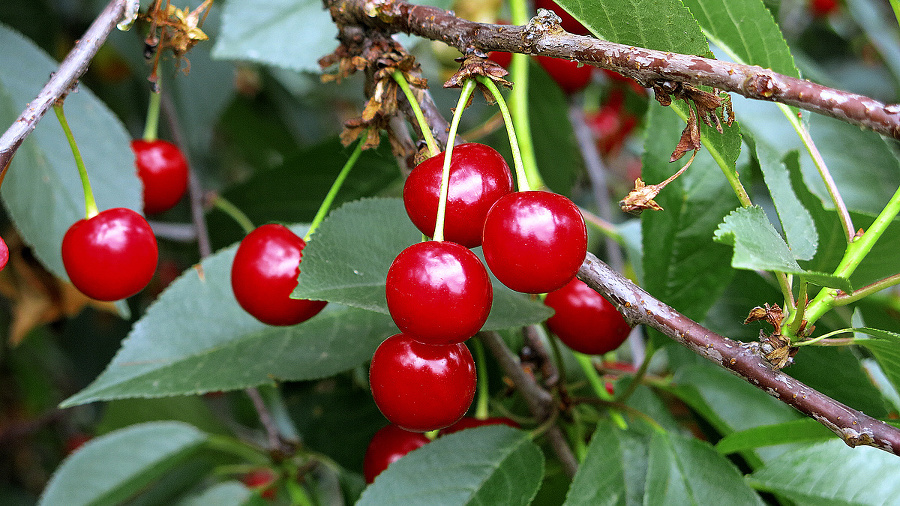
264 274
110 256
584 320
387 446
534 241
478 177
164 172
422 387
438 292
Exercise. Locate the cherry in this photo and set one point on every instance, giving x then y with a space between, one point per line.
261 479
478 177
438 292
264 274
568 23
164 172
822 8
387 446
584 320
110 256
468 422
422 387
534 241
4 254
502 58
570 77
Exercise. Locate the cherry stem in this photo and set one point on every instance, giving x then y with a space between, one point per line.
524 180
417 111
638 376
481 404
225 205
151 127
335 187
587 366
464 96
90 205
520 13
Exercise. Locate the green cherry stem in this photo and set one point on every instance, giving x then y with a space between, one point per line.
335 187
525 180
520 13
417 111
151 126
481 404
90 205
225 205
464 95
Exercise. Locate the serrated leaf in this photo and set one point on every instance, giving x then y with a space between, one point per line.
613 471
683 470
195 338
485 465
42 190
757 246
112 468
665 25
348 258
832 473
682 264
266 31
795 431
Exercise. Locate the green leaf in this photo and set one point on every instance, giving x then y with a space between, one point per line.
229 493
195 338
112 468
485 465
886 349
757 246
558 156
613 471
832 473
683 266
683 470
666 25
42 190
266 31
348 258
794 431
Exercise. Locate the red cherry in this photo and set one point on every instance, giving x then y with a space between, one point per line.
422 387
4 254
534 241
164 172
264 274
502 58
110 256
387 446
570 77
438 292
468 422
478 177
584 320
568 23
75 442
262 480
822 8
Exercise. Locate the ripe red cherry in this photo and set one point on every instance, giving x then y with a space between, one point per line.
387 446
164 172
438 292
568 23
568 75
110 256
261 479
4 254
534 241
584 320
478 177
264 274
467 422
822 8
422 387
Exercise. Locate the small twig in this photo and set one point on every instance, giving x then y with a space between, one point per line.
276 444
844 299
836 199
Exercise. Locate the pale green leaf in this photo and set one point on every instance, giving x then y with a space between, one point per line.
613 471
794 431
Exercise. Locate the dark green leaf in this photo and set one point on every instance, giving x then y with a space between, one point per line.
558 157
42 190
485 465
112 468
266 31
613 471
757 246
794 431
886 349
832 473
196 338
348 258
684 470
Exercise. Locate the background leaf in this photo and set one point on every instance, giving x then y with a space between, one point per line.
485 465
196 339
111 468
229 493
336 268
614 469
794 431
42 191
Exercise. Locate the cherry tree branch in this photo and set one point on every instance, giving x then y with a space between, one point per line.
646 66
743 359
61 82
